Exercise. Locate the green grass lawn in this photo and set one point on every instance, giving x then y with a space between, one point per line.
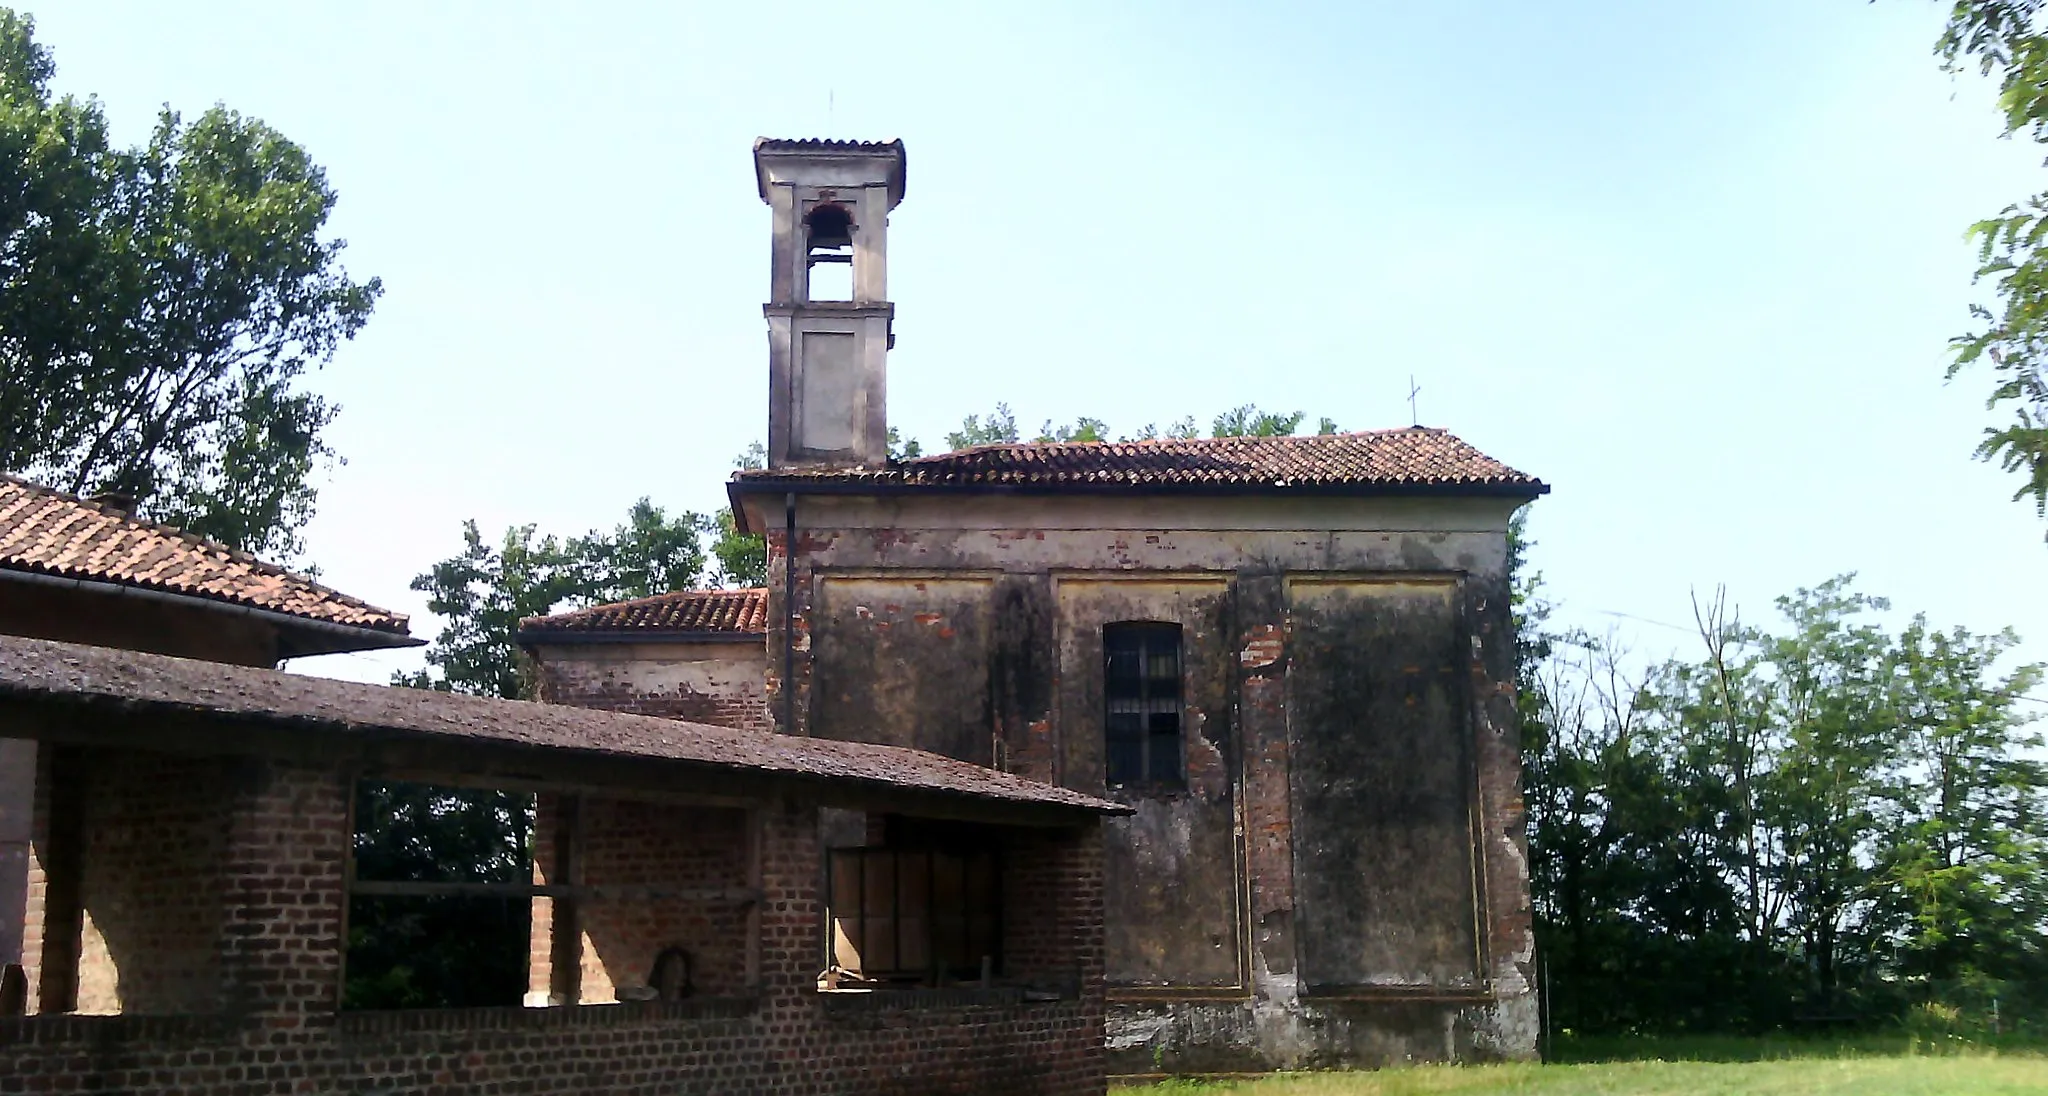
1730 1067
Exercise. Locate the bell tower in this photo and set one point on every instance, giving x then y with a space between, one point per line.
830 322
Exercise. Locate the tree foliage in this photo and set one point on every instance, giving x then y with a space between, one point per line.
999 427
482 592
743 557
451 951
159 306
1817 822
444 951
2005 38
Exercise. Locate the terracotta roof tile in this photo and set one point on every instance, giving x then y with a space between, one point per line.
49 532
1417 459
739 613
129 684
891 151
826 144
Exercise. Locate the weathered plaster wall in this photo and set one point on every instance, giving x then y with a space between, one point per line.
1341 882
879 639
1381 785
718 683
1171 879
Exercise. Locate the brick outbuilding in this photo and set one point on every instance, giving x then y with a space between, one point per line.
192 875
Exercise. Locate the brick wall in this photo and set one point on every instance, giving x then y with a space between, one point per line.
163 884
277 1030
629 843
722 684
150 883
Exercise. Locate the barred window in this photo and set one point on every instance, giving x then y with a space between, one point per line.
1141 700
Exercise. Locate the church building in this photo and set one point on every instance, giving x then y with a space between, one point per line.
1291 657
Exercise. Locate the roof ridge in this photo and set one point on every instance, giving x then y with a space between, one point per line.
992 446
714 591
1399 460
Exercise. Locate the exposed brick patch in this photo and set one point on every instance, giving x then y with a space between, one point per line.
732 695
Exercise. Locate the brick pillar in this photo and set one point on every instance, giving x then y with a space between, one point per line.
1261 624
51 918
791 919
281 950
781 708
555 940
1052 908
17 814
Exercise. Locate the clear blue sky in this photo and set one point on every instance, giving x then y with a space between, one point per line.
1695 265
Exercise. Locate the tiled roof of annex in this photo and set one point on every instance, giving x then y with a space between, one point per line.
45 531
1412 459
131 684
741 614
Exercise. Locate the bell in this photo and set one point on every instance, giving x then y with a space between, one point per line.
830 227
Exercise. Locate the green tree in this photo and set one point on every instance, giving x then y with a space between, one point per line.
451 950
743 557
1083 429
999 428
161 306
1964 868
482 592
1250 422
2005 38
900 447
1817 819
443 951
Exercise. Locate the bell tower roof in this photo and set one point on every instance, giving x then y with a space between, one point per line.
819 161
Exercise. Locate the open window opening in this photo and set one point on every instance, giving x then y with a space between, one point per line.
439 897
828 252
921 909
466 898
1142 705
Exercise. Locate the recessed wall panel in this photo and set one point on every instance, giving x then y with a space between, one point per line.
1171 871
829 372
1378 728
903 661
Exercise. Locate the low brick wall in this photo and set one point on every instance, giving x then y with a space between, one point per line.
715 1046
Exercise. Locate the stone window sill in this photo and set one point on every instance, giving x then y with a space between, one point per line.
891 999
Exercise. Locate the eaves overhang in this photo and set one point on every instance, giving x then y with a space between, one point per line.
738 489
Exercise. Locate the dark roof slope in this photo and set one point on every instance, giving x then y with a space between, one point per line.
735 614
102 679
46 531
1411 460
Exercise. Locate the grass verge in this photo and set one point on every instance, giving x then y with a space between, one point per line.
1900 1065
